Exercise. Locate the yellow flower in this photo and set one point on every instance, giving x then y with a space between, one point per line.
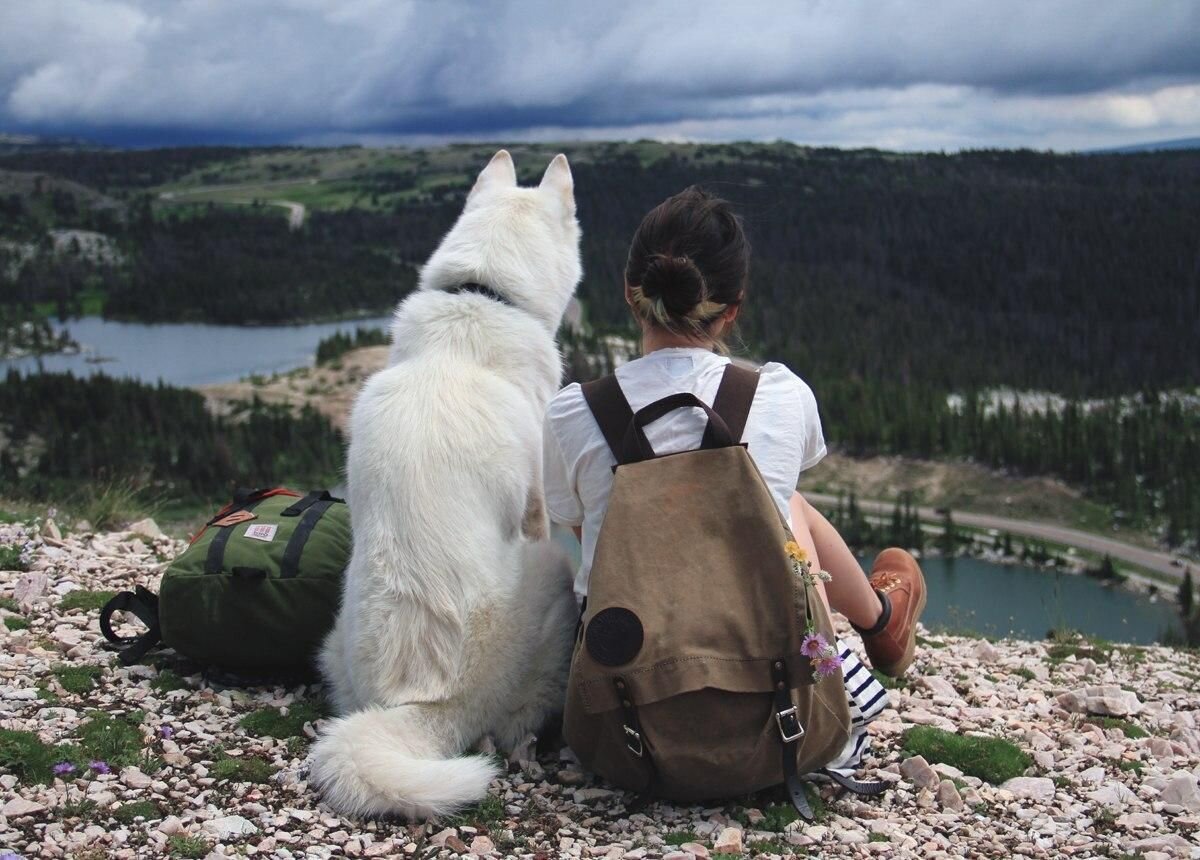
795 551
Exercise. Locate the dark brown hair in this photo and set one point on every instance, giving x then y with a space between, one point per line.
689 262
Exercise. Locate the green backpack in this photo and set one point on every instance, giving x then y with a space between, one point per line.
256 591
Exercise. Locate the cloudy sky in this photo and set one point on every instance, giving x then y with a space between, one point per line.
918 74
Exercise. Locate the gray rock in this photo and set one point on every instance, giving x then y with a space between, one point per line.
919 773
985 652
19 807
229 827
728 842
1181 791
134 778
1109 700
1037 788
146 528
1114 795
948 796
30 587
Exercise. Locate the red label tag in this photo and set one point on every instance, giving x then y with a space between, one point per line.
234 518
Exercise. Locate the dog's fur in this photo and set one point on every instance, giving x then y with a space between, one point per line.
457 614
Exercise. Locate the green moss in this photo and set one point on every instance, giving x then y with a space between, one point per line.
878 837
272 722
14 623
88 601
166 681
245 769
187 847
77 679
991 759
1131 730
47 695
1131 765
115 740
126 813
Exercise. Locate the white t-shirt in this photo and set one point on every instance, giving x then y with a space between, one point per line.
783 435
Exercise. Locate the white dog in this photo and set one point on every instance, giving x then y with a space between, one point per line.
457 614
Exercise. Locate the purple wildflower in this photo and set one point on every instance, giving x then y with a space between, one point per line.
827 664
100 766
63 768
166 731
9 855
814 645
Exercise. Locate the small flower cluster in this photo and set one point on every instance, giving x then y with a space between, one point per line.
826 660
65 768
803 565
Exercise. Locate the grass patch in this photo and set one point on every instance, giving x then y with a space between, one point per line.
115 740
487 813
679 837
9 604
878 837
77 679
25 756
244 769
88 601
1131 730
166 681
1059 653
187 847
113 505
11 557
14 623
47 695
1131 765
1024 672
272 722
991 759
84 809
930 643
127 813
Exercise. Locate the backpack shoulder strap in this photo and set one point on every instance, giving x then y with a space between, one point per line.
734 398
610 409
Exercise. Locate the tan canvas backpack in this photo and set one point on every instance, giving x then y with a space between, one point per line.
690 679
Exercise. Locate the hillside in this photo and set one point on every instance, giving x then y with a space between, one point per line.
896 284
1096 751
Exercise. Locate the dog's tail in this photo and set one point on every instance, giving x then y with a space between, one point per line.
384 762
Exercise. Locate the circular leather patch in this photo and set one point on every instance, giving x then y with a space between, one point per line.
614 636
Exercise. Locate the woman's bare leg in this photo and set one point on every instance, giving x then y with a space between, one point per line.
848 592
804 537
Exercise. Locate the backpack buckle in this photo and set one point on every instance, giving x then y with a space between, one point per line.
633 742
789 725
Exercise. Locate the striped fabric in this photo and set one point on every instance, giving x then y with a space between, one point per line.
867 698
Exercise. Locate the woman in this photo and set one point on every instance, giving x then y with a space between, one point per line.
685 282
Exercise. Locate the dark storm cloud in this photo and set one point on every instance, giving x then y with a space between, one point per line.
909 74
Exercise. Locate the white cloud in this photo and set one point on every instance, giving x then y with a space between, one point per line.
933 74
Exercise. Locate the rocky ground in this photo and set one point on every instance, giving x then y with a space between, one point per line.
164 760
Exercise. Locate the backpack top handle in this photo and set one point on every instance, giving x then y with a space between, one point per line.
614 416
636 448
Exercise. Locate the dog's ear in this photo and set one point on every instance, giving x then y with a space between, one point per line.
499 173
557 180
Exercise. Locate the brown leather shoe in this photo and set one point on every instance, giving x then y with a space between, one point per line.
898 581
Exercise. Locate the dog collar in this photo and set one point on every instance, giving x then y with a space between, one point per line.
479 289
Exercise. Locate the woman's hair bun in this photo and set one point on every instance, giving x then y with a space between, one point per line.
676 280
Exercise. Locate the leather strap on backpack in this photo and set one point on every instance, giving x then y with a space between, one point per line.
616 418
734 398
142 603
790 732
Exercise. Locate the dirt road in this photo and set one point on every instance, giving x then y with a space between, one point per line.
1159 562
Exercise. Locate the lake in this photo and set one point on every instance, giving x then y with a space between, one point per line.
188 353
975 596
